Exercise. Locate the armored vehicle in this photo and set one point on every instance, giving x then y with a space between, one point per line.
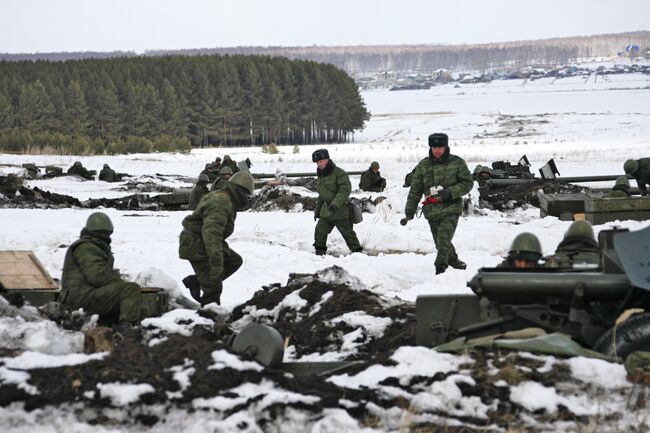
587 303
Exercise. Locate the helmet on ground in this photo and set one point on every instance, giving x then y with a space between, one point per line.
244 180
203 178
630 166
622 182
374 164
525 246
99 221
320 154
225 170
580 229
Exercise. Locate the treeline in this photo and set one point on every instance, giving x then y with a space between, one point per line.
174 102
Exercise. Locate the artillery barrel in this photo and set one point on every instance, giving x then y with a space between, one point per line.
566 179
307 174
523 287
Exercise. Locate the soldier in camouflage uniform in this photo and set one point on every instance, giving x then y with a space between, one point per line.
525 252
228 162
482 173
579 247
220 181
203 239
199 190
333 186
443 179
212 169
107 174
371 179
89 280
78 169
640 170
621 188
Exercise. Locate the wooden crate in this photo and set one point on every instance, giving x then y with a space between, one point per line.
606 217
622 204
21 270
561 205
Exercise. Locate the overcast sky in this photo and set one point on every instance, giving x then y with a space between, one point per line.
28 26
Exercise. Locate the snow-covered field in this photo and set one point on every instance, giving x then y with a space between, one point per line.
588 127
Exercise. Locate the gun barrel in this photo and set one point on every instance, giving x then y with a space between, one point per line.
565 179
304 174
523 287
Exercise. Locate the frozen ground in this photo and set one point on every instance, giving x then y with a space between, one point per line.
589 128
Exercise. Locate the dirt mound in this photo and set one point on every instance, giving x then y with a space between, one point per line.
515 196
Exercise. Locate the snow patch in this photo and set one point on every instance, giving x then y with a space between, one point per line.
123 394
224 359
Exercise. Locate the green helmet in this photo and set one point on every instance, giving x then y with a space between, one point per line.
226 158
106 166
525 246
630 166
580 229
622 182
225 170
477 169
99 221
485 169
245 180
374 164
203 178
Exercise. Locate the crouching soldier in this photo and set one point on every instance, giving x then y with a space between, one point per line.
371 179
78 169
443 179
640 170
621 188
203 239
89 280
333 187
525 252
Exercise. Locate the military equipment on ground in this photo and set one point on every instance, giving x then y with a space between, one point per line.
593 207
23 275
506 170
584 303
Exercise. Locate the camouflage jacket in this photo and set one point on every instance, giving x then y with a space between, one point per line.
642 175
371 181
333 187
616 193
88 265
205 231
108 175
572 251
451 172
196 194
82 172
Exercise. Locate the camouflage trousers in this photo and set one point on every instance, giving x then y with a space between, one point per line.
443 229
119 298
211 277
324 227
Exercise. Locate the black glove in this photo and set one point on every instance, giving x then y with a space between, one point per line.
333 208
445 195
404 221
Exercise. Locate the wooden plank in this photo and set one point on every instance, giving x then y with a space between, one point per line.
22 270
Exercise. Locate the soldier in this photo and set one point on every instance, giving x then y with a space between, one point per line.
371 179
212 169
107 174
579 246
199 190
220 181
203 239
79 170
89 280
408 178
228 162
525 252
621 188
333 187
484 174
640 170
443 179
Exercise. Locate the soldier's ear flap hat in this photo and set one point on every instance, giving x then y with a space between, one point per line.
320 154
438 139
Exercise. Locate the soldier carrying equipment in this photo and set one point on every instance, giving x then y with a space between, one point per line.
89 280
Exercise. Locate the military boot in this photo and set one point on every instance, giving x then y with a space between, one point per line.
320 252
440 269
458 264
192 283
210 297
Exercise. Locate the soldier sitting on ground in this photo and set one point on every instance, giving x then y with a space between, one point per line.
220 181
371 179
640 170
89 280
199 190
107 174
212 169
79 170
229 162
525 252
621 188
579 247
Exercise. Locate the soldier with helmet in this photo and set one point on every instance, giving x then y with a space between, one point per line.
640 170
525 252
482 173
371 179
199 190
579 247
220 181
621 188
90 281
203 239
443 179
333 186
229 162
78 169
